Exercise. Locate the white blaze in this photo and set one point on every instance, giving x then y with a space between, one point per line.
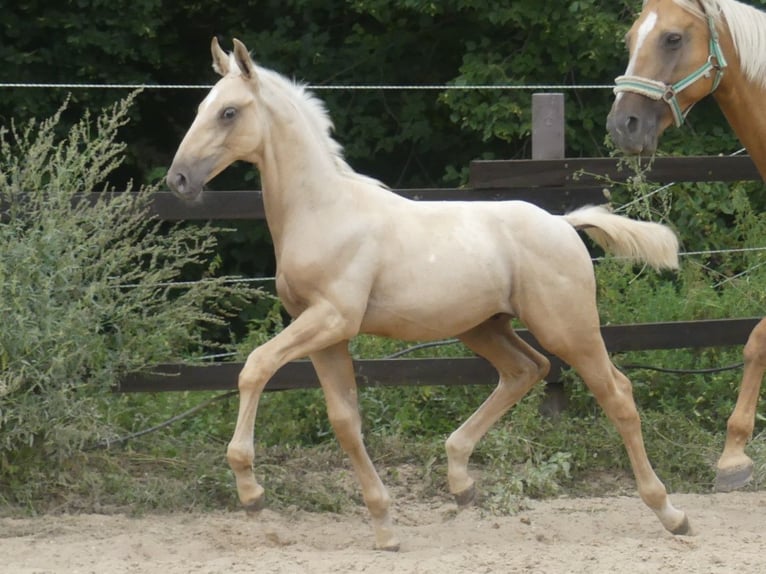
643 31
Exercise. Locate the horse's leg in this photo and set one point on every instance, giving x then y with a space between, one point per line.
583 348
317 327
519 367
735 468
336 373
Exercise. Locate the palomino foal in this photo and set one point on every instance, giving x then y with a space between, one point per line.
353 257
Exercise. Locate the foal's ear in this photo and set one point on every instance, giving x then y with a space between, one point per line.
220 58
243 59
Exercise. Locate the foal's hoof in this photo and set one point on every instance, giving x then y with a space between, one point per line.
466 497
683 529
385 539
729 479
254 507
389 547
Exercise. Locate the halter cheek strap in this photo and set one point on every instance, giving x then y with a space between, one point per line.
656 90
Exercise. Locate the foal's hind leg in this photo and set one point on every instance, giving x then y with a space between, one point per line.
735 468
336 373
519 367
583 348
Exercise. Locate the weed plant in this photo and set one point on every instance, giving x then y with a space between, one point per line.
87 294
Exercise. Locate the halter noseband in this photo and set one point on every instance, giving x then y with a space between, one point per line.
656 90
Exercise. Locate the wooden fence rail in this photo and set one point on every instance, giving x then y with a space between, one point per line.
443 371
557 185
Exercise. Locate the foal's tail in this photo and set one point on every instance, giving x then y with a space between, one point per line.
642 241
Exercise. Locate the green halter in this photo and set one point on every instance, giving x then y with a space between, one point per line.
656 90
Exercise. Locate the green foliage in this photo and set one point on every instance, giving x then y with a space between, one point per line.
520 459
407 138
722 275
86 293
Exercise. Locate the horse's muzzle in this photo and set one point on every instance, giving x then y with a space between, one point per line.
634 124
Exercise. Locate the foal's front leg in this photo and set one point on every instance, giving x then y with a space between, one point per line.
317 327
336 373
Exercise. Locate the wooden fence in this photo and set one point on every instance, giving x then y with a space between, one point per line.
557 185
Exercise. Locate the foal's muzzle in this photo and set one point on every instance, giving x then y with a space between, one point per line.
186 182
177 182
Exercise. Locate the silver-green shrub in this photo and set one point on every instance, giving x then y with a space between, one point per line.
88 291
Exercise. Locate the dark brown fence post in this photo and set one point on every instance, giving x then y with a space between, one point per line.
548 143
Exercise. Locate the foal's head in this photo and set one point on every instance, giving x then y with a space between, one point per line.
226 128
675 61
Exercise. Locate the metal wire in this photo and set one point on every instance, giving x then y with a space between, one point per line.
328 87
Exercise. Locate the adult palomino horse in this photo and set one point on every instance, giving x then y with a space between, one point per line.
681 51
354 257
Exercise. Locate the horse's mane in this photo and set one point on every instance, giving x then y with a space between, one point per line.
315 114
747 26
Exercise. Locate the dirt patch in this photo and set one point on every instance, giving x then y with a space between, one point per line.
564 535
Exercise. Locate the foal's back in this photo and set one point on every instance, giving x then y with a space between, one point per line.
476 259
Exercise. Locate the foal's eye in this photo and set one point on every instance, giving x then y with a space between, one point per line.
673 40
228 114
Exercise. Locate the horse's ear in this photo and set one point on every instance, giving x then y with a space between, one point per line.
220 58
243 59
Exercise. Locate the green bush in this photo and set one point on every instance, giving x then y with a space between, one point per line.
86 295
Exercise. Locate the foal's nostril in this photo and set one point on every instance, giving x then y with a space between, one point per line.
632 124
177 181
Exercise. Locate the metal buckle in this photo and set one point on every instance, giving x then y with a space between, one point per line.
669 95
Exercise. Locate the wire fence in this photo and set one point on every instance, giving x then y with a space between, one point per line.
318 87
330 87
388 87
264 280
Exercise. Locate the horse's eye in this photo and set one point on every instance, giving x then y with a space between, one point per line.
228 114
673 40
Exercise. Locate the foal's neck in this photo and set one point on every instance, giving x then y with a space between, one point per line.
298 174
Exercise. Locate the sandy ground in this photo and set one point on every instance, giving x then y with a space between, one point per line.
615 534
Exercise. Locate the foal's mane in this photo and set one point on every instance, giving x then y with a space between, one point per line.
747 26
282 92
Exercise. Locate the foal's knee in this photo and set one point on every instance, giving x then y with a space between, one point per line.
755 348
255 373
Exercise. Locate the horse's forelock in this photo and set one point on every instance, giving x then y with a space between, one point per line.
701 8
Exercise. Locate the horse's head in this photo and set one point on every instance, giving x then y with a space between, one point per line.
675 61
225 129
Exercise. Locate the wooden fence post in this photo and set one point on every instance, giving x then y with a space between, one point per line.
548 126
548 143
